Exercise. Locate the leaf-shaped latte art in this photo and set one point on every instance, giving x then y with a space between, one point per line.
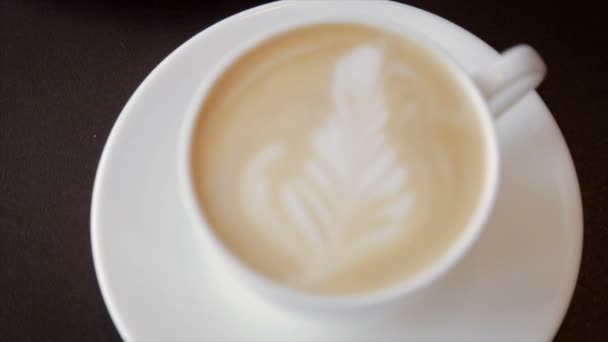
353 169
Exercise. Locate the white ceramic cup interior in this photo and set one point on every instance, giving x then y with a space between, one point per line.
493 90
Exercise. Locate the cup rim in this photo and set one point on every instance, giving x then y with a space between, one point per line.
300 298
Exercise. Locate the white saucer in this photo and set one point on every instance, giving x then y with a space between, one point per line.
515 285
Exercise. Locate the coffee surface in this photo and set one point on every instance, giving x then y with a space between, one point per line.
338 158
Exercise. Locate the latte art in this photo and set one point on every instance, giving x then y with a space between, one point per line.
338 158
352 168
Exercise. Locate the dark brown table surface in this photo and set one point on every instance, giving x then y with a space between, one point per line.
68 67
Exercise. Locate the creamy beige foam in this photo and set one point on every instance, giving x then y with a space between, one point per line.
338 158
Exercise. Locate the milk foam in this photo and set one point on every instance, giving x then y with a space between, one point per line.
352 167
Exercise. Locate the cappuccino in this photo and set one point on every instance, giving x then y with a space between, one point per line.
338 158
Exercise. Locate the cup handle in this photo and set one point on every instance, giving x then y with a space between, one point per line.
504 82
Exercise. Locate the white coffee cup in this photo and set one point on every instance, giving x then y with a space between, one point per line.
494 89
